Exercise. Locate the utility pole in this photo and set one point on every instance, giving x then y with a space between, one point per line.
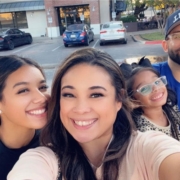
113 10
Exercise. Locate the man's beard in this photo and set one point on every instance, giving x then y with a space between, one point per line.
175 57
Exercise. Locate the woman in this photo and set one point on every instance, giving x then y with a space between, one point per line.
90 134
23 101
156 103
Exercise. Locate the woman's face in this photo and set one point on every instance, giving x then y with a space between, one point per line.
88 105
24 100
156 98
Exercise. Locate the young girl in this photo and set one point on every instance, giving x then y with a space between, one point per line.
23 106
90 134
156 103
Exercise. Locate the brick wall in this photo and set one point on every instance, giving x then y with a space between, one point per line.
93 5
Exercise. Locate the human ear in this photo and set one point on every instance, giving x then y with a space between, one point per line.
165 45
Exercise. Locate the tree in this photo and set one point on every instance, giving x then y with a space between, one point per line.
166 7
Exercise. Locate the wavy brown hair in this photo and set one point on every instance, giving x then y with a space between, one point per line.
73 161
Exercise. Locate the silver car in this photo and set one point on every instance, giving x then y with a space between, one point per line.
113 31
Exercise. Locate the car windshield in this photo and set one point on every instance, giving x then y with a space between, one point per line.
3 31
106 26
75 27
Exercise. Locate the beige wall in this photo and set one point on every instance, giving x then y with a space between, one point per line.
37 24
104 11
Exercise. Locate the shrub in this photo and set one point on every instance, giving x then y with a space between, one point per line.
129 18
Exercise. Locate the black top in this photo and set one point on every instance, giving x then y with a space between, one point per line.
8 157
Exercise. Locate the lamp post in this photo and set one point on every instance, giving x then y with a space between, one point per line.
113 10
50 20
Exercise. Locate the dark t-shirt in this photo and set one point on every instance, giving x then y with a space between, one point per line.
8 157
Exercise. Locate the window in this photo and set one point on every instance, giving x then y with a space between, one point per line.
13 20
6 21
16 31
21 20
10 32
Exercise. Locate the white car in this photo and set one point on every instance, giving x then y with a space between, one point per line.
113 31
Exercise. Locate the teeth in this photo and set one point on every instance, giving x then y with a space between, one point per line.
37 112
84 123
157 97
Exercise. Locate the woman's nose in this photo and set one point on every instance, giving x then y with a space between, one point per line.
40 97
81 107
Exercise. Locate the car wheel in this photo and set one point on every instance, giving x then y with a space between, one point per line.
101 43
29 39
125 41
87 42
65 45
10 45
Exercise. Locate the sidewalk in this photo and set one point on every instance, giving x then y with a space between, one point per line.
137 38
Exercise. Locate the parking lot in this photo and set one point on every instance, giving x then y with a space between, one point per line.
51 52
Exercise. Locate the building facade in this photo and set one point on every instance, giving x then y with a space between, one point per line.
51 17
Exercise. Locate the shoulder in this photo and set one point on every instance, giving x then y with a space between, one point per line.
160 65
150 149
37 163
151 142
42 153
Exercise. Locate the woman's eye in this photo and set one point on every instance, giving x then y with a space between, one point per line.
45 87
23 91
68 95
96 95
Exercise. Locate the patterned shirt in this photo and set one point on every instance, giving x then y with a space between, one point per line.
144 124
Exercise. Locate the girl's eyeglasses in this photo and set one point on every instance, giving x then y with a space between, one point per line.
147 89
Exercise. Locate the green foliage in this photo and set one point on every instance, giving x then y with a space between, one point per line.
129 18
154 3
153 36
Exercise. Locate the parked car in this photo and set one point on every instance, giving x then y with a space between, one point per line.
113 31
78 34
14 37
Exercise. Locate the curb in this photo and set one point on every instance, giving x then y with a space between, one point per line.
154 42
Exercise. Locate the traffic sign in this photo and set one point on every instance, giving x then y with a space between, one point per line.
49 19
113 14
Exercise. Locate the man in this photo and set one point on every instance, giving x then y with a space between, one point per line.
171 45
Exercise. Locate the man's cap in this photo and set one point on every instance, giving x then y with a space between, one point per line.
172 21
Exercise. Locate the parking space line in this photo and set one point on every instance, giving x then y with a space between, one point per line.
95 43
24 48
57 47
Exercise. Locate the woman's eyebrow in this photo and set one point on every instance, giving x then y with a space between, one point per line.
20 83
25 83
68 86
91 88
97 87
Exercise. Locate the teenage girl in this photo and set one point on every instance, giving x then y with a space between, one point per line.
23 108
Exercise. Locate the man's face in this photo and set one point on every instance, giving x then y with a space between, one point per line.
173 45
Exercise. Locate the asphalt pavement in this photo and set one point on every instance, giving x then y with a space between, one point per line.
134 35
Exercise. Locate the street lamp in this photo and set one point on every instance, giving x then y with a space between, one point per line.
49 19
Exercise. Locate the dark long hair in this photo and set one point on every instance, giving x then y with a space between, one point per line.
9 64
73 161
168 108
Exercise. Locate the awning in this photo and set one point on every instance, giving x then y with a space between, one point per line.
22 6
